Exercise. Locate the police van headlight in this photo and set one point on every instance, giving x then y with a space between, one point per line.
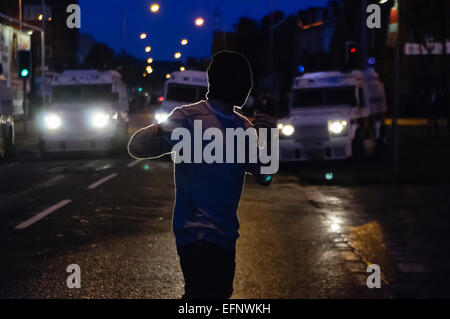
337 127
99 119
52 121
286 130
161 117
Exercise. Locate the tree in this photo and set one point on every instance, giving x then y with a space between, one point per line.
100 57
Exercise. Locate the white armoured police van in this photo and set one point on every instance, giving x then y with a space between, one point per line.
183 87
87 112
333 115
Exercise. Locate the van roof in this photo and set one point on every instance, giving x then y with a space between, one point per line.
85 77
189 77
334 78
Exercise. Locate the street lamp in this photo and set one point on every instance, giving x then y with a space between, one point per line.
149 60
143 36
149 69
182 68
154 7
148 49
41 16
177 55
199 22
184 42
168 76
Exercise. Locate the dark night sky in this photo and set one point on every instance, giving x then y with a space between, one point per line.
103 19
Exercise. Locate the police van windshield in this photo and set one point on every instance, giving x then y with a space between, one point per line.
325 96
82 93
185 93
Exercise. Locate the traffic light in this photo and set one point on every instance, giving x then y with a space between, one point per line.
351 54
24 64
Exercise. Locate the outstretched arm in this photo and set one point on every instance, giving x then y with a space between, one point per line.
149 142
154 140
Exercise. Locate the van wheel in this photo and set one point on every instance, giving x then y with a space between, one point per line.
10 150
358 148
44 153
380 146
2 148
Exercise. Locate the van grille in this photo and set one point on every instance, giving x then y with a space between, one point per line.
311 132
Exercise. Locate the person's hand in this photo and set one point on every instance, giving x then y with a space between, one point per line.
261 120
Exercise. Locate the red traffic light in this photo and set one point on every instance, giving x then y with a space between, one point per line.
352 50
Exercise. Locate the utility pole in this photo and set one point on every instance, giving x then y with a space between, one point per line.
43 78
364 42
271 50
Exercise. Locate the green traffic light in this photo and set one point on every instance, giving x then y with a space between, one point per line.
268 178
140 89
24 73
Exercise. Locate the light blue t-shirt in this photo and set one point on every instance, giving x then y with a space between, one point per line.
207 195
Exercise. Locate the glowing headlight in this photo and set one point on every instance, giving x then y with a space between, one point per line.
337 127
161 117
99 119
52 122
280 126
287 130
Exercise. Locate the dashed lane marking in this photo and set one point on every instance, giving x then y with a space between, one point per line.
42 214
101 181
133 163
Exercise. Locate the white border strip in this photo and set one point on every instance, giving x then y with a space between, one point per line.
42 214
103 180
134 163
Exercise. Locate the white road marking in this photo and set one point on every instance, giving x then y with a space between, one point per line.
134 163
42 214
103 180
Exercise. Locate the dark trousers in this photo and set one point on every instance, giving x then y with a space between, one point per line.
208 270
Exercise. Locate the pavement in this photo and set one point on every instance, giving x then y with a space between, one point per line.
303 237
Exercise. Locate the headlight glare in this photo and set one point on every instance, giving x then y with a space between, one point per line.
52 122
287 130
99 120
337 127
161 117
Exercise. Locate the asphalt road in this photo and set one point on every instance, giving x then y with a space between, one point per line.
112 217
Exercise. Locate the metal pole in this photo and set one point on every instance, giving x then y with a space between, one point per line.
20 14
43 78
24 105
271 49
395 129
364 34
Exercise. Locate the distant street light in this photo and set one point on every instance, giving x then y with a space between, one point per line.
149 69
168 76
182 68
177 55
148 49
143 36
154 7
184 42
41 16
199 21
149 60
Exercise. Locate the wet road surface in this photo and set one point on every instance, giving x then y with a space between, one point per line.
112 217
